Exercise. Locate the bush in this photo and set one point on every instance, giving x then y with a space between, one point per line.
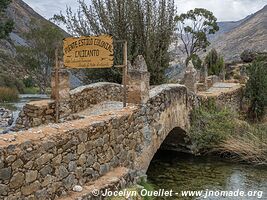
210 126
28 82
11 82
248 56
197 62
8 94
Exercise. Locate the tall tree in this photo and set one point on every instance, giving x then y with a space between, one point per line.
6 25
38 58
214 62
147 25
193 28
256 89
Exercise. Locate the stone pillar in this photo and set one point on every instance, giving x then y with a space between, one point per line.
64 85
190 77
138 81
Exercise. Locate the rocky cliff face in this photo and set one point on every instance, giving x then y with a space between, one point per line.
251 33
23 17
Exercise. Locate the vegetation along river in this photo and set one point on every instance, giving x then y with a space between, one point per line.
184 172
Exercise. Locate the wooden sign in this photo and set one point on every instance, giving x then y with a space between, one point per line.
89 52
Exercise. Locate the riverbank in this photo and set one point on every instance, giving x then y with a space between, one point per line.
12 109
221 131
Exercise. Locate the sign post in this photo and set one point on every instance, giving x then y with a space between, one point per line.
89 52
124 74
94 52
57 86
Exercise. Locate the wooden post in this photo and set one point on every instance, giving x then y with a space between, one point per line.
57 85
125 74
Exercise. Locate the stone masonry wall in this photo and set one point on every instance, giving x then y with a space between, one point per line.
46 162
86 96
37 113
231 99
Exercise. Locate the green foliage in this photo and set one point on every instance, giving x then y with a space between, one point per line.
10 81
8 94
39 57
193 28
256 89
197 62
6 25
147 25
31 90
28 82
210 125
214 62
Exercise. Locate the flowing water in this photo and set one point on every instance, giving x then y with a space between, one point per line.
16 107
184 172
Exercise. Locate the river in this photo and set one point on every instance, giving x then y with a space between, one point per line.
16 107
184 172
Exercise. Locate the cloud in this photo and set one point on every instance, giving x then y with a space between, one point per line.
48 8
224 10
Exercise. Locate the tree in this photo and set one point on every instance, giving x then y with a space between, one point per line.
6 25
193 28
214 62
147 25
38 58
256 89
197 62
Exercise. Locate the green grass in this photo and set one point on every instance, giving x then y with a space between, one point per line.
219 130
8 106
31 90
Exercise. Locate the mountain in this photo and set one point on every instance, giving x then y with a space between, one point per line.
235 37
227 26
24 18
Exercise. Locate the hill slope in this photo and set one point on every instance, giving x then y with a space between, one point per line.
251 33
24 17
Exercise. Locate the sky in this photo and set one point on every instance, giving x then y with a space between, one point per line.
224 10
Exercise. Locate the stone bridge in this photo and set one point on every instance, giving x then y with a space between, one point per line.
96 138
98 144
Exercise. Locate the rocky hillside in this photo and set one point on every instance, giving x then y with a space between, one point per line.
250 33
227 26
22 15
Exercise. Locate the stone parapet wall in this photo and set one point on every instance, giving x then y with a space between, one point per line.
85 96
38 113
46 162
231 99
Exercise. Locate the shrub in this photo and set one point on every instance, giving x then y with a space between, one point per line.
8 94
28 82
210 125
9 81
197 62
248 56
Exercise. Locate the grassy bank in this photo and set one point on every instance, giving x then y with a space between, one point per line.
136 189
8 94
219 130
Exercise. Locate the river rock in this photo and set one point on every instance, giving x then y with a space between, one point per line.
77 188
6 117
